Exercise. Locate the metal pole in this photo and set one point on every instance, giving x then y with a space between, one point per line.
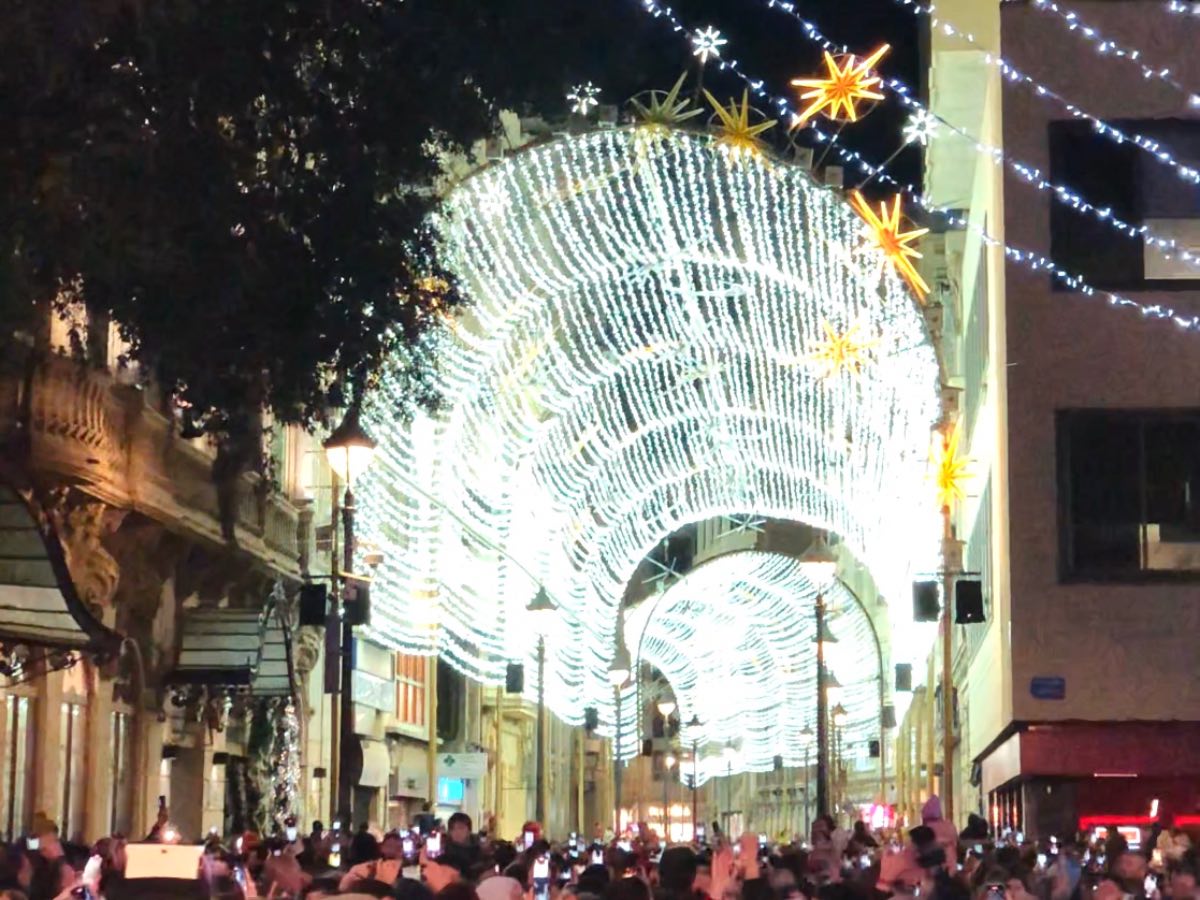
497 786
695 779
822 715
728 798
947 667
666 805
540 800
617 767
335 727
431 748
345 788
807 824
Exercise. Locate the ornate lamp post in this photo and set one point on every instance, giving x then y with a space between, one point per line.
820 566
349 450
541 610
618 674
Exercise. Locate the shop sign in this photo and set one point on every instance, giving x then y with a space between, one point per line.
1044 687
462 765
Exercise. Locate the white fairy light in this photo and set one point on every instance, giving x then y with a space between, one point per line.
1034 261
584 98
623 366
707 43
735 639
921 127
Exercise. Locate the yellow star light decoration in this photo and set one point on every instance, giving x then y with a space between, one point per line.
951 470
668 111
736 134
838 353
887 235
842 88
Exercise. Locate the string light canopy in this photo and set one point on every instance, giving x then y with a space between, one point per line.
736 639
624 365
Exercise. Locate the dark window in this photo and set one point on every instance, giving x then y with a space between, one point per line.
1133 185
1128 486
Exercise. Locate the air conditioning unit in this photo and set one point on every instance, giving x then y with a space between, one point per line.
1164 264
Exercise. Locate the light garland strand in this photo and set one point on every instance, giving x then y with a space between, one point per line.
1161 154
1168 247
1183 7
1034 261
1107 46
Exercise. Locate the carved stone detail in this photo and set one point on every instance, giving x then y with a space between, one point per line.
82 524
307 643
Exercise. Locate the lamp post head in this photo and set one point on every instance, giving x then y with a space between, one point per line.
666 707
694 722
826 636
541 610
818 562
350 448
669 761
619 668
839 715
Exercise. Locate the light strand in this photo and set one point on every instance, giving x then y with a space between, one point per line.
1168 247
1108 46
1032 260
1011 73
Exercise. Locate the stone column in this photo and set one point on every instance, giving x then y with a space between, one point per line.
47 773
101 767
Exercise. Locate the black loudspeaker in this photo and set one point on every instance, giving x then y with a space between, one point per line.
778 763
514 678
873 747
648 747
904 677
925 601
591 718
968 603
357 598
314 604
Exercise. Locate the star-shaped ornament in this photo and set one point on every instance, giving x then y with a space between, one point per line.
886 234
736 135
663 111
951 470
848 82
844 352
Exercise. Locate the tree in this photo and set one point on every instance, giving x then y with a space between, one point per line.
241 184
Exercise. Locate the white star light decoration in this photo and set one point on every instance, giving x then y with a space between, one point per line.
584 98
707 43
921 127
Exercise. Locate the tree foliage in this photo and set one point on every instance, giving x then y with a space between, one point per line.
240 184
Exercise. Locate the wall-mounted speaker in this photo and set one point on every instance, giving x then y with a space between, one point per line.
514 678
925 601
314 604
904 677
968 602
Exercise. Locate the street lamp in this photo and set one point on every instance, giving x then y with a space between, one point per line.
729 753
838 715
694 725
348 450
541 610
668 765
618 674
806 737
819 564
666 706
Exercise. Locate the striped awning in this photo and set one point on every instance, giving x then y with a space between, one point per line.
235 648
38 601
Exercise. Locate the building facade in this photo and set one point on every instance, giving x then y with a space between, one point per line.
1076 698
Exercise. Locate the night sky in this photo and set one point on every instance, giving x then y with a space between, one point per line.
631 51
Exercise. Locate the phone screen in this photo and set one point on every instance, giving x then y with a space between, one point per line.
291 832
528 837
1150 885
33 843
597 857
239 875
407 844
433 846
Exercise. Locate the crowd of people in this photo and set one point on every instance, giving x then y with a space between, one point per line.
430 862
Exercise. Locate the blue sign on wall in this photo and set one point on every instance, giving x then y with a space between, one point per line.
1048 688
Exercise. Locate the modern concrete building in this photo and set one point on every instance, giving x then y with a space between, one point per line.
1077 699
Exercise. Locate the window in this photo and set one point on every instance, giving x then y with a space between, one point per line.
410 689
18 766
1134 188
73 767
1128 493
121 801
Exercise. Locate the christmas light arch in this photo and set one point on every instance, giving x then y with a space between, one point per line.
635 357
735 637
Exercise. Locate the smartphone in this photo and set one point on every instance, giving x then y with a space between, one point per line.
1150 885
337 825
335 856
238 843
573 843
433 845
33 843
978 848
1042 860
864 861
290 831
700 834
528 839
407 844
597 857
239 875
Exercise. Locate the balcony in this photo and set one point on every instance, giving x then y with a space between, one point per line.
88 430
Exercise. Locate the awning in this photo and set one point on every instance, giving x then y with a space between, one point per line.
38 601
235 648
